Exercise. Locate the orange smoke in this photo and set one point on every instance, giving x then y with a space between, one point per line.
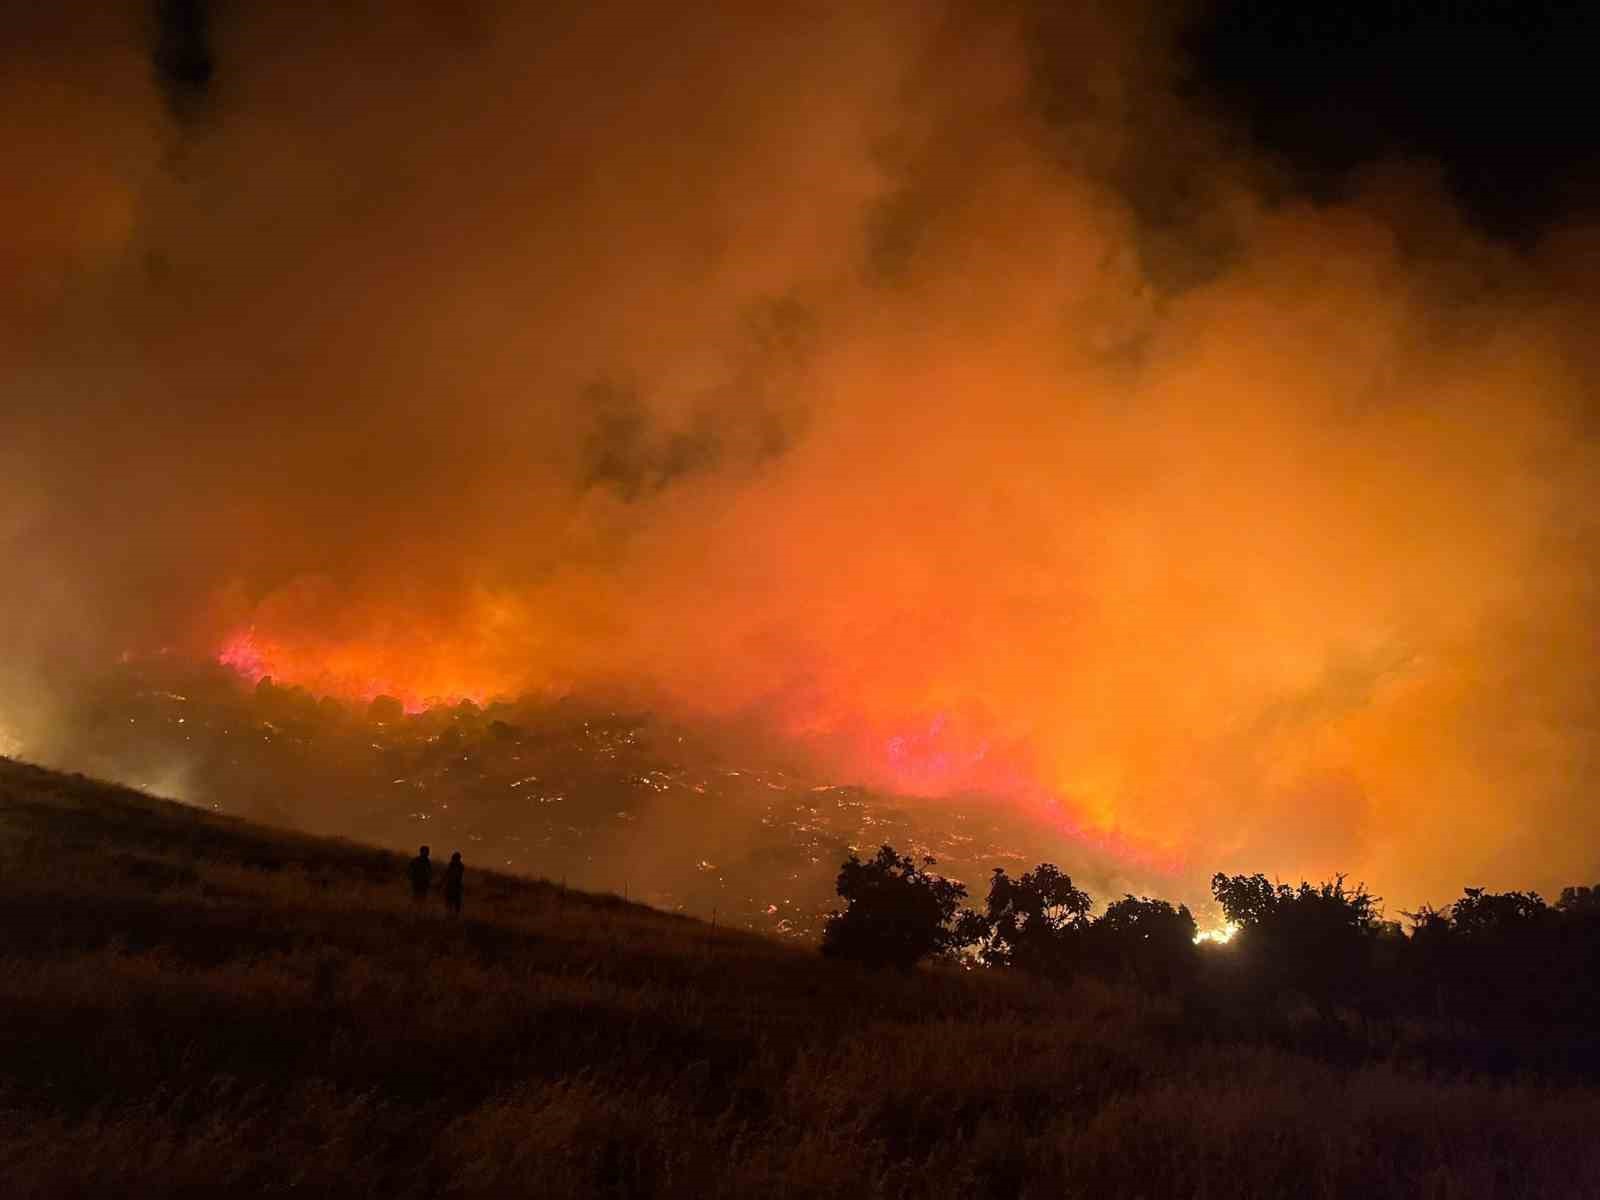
816 372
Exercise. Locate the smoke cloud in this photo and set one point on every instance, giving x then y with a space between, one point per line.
920 384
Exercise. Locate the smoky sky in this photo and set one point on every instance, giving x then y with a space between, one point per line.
1174 423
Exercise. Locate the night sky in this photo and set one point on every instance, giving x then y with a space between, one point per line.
1501 96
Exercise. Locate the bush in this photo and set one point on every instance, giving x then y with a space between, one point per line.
896 913
1035 921
1147 942
1317 940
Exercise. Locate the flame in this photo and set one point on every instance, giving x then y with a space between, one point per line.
352 671
942 755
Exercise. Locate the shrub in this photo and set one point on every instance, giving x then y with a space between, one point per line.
1148 942
1317 940
1035 920
897 913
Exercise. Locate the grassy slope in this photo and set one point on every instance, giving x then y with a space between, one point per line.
189 1003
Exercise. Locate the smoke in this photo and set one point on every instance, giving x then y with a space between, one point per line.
919 384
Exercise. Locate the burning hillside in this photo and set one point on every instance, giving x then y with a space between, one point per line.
933 391
600 798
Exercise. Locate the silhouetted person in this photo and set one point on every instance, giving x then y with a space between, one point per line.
421 875
452 883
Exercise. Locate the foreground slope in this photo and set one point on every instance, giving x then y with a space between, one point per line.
189 1002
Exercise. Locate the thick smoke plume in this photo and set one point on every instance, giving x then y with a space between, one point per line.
920 384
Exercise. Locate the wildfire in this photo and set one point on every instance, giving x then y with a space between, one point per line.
350 671
1219 936
940 756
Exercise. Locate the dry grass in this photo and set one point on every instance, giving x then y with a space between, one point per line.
189 1004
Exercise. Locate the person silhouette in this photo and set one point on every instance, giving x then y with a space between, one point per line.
452 883
421 875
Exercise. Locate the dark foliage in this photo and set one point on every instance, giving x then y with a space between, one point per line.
1315 940
1499 979
1149 943
897 913
1509 965
1035 921
385 710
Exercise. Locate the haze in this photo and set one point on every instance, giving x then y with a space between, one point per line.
929 387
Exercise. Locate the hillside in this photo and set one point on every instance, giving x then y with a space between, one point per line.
609 800
189 1003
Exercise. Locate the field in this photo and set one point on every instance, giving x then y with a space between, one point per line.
190 1003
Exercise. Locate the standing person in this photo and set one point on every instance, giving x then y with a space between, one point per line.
452 883
421 875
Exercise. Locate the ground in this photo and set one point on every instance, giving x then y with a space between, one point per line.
190 1003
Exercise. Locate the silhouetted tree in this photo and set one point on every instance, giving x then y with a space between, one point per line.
1481 913
1579 901
1034 920
1248 900
897 912
1427 949
1491 959
1317 940
385 710
1577 952
1148 942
